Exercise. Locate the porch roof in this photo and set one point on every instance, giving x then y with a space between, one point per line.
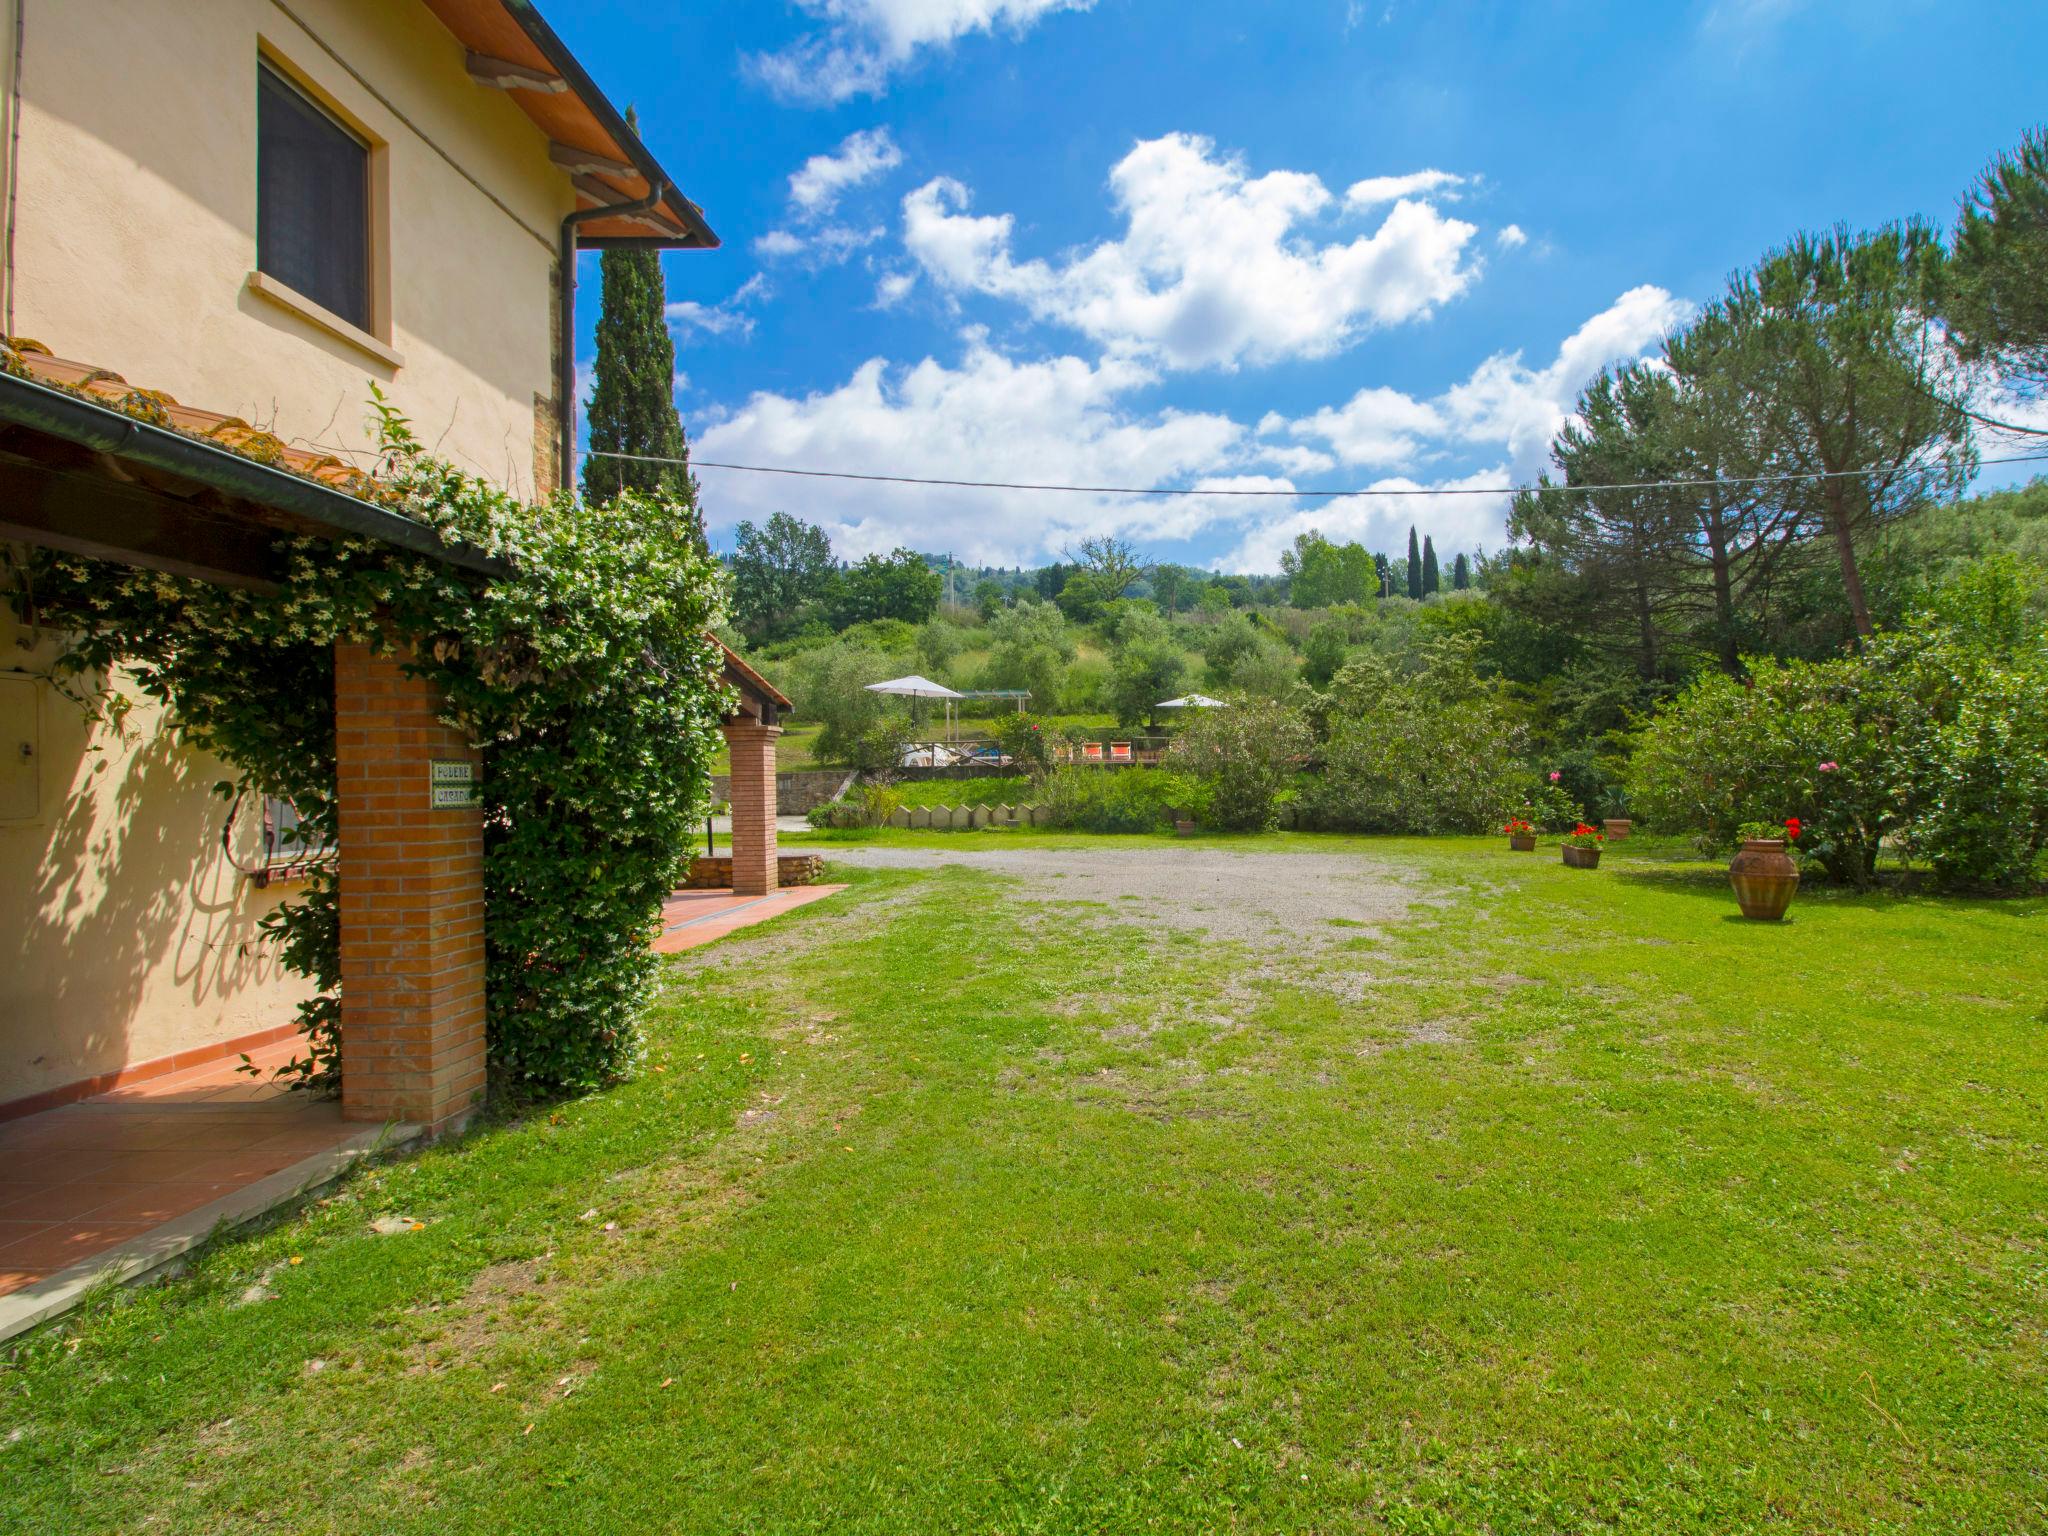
95 466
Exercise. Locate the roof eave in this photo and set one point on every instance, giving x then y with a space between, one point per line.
325 511
698 234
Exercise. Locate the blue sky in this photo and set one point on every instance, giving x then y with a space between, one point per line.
1175 242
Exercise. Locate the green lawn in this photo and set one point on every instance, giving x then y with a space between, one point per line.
1567 1203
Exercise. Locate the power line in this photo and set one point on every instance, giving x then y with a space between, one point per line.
1154 490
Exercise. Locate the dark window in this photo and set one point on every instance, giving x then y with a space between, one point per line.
312 200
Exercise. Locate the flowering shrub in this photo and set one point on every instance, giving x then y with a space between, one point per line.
586 678
1516 827
1026 741
1583 836
1934 736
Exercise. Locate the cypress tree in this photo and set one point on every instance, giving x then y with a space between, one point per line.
1461 574
1414 568
1383 573
1429 573
633 405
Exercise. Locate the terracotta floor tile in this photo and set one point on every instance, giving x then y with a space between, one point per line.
59 1167
162 1202
55 1247
14 1277
154 1167
15 1191
66 1202
12 1232
243 1167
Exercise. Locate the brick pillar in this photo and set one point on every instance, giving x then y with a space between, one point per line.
412 903
753 805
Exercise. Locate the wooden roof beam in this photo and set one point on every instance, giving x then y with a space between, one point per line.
610 197
588 162
504 75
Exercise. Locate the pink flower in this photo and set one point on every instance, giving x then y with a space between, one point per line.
1555 775
1829 767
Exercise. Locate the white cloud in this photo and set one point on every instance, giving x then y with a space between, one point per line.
778 242
1503 405
1375 190
1213 268
894 288
1067 420
862 42
824 247
816 186
1382 521
1378 427
1520 408
1509 236
989 418
729 317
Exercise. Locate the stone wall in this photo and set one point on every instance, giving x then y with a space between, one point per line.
796 792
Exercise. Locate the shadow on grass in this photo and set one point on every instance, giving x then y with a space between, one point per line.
1895 890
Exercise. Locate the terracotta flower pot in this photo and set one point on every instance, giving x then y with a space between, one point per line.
1764 878
1616 828
1581 858
1523 842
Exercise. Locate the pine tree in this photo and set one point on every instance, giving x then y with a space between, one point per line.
1429 572
1461 574
633 405
1414 568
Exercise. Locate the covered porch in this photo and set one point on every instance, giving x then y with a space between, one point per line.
118 1160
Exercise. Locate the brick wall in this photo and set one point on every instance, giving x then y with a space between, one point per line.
412 903
752 748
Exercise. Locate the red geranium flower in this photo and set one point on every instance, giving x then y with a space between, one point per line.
1792 828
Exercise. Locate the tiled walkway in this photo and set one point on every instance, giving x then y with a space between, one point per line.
130 1178
78 1181
690 918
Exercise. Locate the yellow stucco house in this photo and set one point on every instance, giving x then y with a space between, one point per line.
258 208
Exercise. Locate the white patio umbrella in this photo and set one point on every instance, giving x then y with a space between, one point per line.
916 687
1192 701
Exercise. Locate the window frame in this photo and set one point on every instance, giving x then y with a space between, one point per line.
374 338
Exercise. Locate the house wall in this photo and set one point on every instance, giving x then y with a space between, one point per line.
134 197
125 933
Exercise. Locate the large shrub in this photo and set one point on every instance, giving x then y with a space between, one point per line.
1433 750
1120 800
1724 753
1245 753
1934 736
587 679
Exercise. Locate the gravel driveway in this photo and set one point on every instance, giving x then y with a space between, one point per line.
1313 898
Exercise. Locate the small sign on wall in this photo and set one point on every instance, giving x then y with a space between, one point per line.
452 783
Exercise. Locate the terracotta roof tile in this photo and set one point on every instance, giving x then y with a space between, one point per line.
31 359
